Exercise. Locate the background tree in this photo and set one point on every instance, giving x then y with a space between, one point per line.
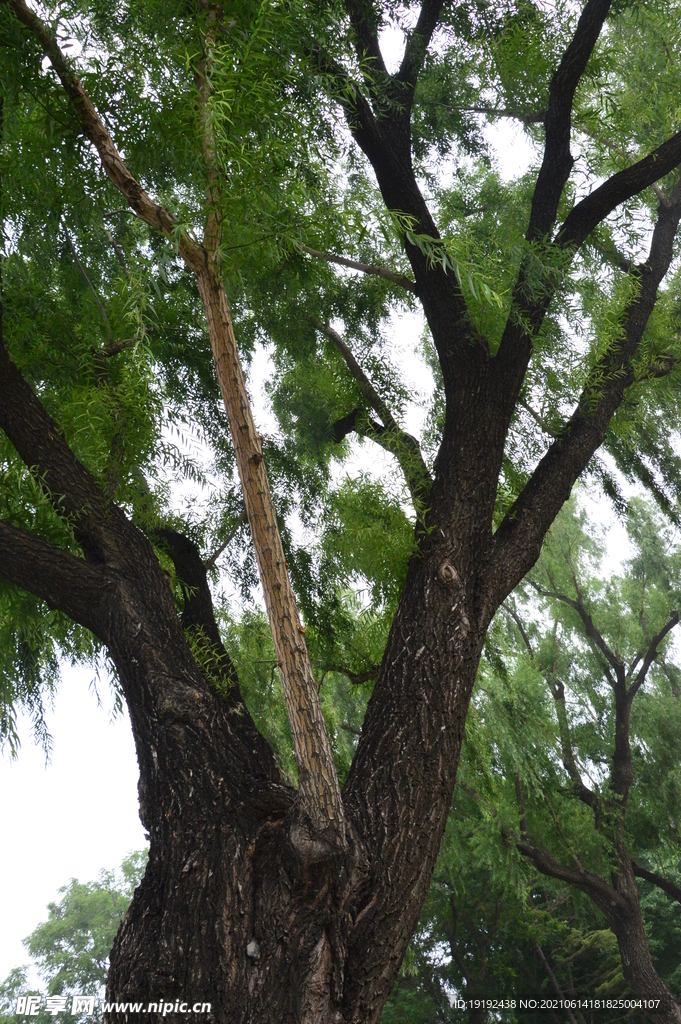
70 950
299 903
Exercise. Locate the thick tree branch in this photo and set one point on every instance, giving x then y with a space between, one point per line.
72 489
365 21
68 584
417 45
662 883
581 879
198 620
557 162
349 95
624 185
518 539
365 268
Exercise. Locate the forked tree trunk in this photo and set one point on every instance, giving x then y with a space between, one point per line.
228 912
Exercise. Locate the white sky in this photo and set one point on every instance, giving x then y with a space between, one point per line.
79 813
68 819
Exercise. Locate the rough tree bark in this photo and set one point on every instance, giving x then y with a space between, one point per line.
267 903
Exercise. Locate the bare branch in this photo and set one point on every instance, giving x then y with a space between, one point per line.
356 678
366 387
651 654
107 351
591 631
120 255
579 788
526 116
557 162
366 268
539 420
554 981
212 559
390 435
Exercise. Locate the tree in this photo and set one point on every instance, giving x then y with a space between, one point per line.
624 640
71 949
269 901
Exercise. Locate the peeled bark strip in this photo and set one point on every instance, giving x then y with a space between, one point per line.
320 830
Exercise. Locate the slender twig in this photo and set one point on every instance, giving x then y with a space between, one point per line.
554 982
510 609
366 268
90 285
526 116
212 559
537 418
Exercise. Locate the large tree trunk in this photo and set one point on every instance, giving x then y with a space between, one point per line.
229 913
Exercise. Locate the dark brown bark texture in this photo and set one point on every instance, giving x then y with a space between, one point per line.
229 911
